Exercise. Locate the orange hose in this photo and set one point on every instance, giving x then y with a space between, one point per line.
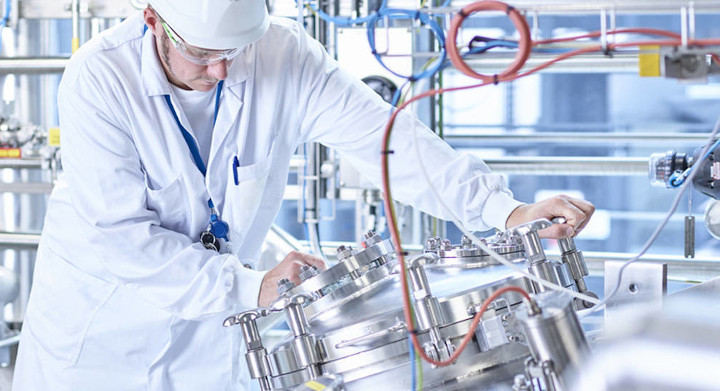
524 45
508 75
473 326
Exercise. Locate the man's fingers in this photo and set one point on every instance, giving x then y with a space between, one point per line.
313 260
574 214
556 231
587 208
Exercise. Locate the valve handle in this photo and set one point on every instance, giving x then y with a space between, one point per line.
525 229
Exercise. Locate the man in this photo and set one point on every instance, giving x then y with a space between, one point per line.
181 118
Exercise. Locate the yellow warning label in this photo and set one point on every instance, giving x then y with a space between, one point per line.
54 137
9 153
649 61
313 385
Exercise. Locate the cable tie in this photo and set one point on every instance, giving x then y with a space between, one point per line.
413 332
463 14
509 9
387 152
495 79
607 51
417 15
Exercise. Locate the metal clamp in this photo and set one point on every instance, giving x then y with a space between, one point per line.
367 338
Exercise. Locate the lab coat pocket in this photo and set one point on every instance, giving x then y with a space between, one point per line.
245 194
63 304
171 204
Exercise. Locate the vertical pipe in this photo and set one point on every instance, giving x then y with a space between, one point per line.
75 9
684 26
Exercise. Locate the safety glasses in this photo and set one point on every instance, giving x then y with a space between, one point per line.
195 54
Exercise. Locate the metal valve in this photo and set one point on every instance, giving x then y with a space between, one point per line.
573 258
304 342
530 238
539 265
256 356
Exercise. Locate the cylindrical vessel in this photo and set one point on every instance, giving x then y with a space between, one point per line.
555 334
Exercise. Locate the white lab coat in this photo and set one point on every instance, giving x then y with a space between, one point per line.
124 296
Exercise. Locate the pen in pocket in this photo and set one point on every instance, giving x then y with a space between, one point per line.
236 164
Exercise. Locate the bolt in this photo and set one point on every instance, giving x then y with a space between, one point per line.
431 245
371 238
308 271
343 252
284 285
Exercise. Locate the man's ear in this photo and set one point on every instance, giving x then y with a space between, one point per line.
151 20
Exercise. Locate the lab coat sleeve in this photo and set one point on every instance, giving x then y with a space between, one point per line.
341 112
103 169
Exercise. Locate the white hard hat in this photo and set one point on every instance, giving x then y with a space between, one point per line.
215 24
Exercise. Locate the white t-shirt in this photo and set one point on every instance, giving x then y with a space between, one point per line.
199 109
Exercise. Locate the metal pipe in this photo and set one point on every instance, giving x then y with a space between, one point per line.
25 65
21 163
75 10
593 166
26 187
470 140
10 341
19 240
589 63
623 7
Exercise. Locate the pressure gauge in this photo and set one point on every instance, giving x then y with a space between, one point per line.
712 218
382 85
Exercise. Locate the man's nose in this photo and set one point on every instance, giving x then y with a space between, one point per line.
218 70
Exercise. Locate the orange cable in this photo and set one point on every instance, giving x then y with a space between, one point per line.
524 45
511 73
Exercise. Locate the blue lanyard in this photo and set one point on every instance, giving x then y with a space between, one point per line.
217 227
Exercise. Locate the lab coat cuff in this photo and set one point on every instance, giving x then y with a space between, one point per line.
498 207
250 287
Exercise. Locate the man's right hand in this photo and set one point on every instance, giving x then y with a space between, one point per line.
289 268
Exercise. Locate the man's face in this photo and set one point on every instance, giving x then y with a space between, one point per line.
179 68
186 74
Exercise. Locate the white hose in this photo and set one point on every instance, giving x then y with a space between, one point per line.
483 246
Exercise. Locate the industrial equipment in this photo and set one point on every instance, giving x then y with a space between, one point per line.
347 326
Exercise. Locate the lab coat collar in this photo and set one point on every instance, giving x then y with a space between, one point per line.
156 83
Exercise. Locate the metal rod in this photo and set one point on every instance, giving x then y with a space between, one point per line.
10 341
19 65
21 163
684 26
26 187
610 129
691 19
625 6
579 165
19 240
590 63
575 138
592 166
75 10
